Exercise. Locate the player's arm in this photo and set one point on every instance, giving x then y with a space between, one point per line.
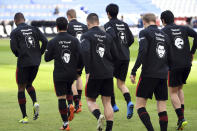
143 44
49 53
193 34
169 51
113 51
130 37
109 29
14 44
44 41
79 53
85 50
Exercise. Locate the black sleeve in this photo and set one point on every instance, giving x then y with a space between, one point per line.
143 45
109 29
79 54
49 53
130 37
114 51
69 29
169 52
193 34
44 41
85 50
14 44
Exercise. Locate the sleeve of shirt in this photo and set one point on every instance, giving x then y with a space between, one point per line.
69 29
14 44
49 53
109 29
169 53
44 41
143 45
193 34
130 36
85 50
114 51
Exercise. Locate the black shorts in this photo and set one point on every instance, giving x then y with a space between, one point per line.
80 66
26 75
147 86
95 87
178 77
63 88
121 69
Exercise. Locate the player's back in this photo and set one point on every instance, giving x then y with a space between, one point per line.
122 36
181 56
101 53
26 39
64 49
155 63
76 28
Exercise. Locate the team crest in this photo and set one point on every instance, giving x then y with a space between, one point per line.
30 41
179 43
122 37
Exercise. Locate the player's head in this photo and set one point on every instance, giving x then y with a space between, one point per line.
167 17
71 14
19 18
61 23
112 10
161 50
92 20
149 19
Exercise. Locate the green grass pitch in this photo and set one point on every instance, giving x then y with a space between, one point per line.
49 116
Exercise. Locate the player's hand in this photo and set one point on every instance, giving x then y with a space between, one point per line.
132 77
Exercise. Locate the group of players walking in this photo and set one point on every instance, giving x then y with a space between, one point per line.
105 54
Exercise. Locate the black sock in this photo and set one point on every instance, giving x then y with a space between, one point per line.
145 118
127 97
76 100
22 103
63 109
182 107
69 98
32 93
179 114
163 120
109 125
113 101
79 94
96 113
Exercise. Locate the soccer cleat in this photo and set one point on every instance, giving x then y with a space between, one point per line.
100 123
36 111
80 104
130 107
71 111
24 120
181 124
78 109
115 108
65 127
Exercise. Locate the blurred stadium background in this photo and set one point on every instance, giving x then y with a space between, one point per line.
42 13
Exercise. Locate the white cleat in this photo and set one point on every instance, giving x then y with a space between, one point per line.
100 123
36 111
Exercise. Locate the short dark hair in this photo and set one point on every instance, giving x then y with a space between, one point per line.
112 9
93 18
61 23
167 16
19 16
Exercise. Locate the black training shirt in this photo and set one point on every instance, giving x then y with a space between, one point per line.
99 53
64 50
121 35
181 53
154 53
24 43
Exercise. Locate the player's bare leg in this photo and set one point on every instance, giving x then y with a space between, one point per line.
79 85
181 98
75 97
143 114
108 112
177 106
127 96
163 117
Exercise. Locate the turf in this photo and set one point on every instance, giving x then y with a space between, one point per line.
49 116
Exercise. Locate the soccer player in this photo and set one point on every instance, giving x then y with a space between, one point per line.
123 38
181 62
99 54
24 43
76 29
64 50
154 56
